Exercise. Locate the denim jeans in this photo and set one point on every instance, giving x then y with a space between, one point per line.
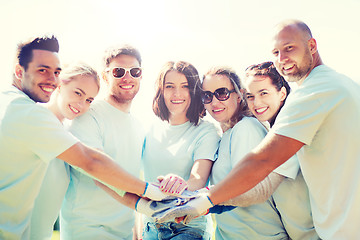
173 231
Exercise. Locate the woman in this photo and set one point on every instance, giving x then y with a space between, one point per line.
182 144
79 84
266 93
256 218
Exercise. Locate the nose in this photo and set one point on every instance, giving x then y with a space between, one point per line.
126 77
256 101
282 57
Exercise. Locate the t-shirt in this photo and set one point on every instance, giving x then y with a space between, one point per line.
30 136
323 113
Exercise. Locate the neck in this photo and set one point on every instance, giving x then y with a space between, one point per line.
53 107
316 62
123 106
177 120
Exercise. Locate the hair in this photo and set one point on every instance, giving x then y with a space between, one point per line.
242 109
78 69
115 51
196 109
268 69
25 49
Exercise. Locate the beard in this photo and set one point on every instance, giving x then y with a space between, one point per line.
302 70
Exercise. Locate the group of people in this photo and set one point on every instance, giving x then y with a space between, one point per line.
274 170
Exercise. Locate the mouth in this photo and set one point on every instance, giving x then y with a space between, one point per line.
49 89
74 110
127 87
261 110
218 110
177 101
288 68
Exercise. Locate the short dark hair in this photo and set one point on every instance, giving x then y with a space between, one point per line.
196 109
242 109
115 51
25 49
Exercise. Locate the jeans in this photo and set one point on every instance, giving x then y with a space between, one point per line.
173 231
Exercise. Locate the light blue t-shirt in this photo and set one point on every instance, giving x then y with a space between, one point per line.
174 149
88 211
30 136
260 221
323 113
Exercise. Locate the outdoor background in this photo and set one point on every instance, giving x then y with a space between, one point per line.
203 32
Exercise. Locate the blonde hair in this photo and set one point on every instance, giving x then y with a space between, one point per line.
78 69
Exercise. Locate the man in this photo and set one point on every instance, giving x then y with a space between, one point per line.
31 136
89 212
321 119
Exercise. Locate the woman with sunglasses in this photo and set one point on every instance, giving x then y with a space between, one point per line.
256 216
266 93
182 143
79 84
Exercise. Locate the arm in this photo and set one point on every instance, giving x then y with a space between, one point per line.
255 166
258 194
104 168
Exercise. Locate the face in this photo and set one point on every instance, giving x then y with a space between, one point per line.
123 89
263 99
221 111
292 55
76 96
177 96
41 77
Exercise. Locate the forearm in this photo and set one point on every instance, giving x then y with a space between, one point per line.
258 194
199 174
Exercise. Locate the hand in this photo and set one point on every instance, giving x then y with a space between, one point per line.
153 192
172 184
150 208
195 207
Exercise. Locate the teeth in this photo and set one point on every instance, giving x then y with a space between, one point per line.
218 110
126 86
261 110
177 101
74 109
47 89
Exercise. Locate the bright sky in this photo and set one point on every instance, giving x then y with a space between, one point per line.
203 32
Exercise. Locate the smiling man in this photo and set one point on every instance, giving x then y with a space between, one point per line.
89 212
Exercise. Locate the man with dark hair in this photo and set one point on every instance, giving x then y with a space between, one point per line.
31 135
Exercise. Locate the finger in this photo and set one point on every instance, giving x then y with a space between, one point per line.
164 183
160 178
180 187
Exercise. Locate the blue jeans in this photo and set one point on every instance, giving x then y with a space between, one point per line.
173 231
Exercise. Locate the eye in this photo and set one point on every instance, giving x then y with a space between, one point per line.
263 93
289 48
275 53
57 73
42 70
185 86
78 93
169 86
89 101
249 97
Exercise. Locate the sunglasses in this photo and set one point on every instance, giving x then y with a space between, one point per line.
119 72
221 94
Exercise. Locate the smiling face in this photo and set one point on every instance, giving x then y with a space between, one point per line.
76 95
291 50
263 99
221 111
41 76
177 97
124 89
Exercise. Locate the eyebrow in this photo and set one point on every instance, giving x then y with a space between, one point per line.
48 67
81 91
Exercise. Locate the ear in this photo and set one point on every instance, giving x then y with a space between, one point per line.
283 93
19 72
104 76
312 45
240 97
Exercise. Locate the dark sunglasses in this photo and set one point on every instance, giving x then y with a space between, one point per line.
119 72
221 94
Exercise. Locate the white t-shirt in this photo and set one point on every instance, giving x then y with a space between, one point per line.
174 149
324 114
30 136
88 211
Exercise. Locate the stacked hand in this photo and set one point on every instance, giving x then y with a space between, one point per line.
192 209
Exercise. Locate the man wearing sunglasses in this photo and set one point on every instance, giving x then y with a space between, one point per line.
320 123
89 212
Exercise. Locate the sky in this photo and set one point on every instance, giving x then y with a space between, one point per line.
206 33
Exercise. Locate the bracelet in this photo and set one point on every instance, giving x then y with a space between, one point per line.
146 186
210 200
